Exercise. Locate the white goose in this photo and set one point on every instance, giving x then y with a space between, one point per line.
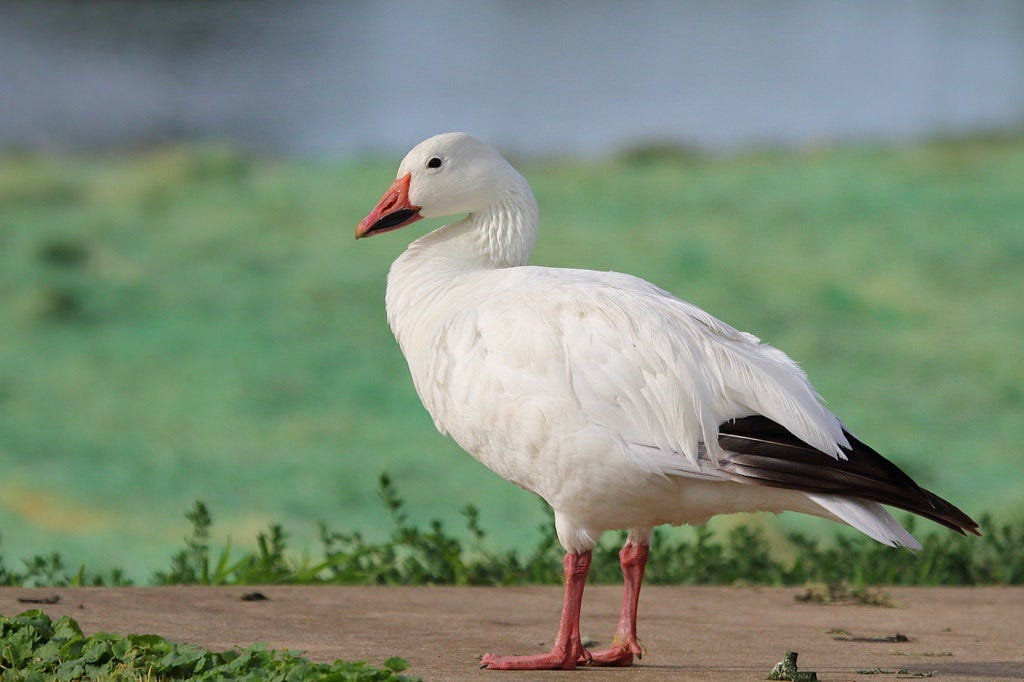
619 404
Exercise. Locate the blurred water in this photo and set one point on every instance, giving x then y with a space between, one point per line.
330 78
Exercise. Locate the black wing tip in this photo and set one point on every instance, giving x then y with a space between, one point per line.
865 474
949 515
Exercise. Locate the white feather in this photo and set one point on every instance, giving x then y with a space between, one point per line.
597 390
869 518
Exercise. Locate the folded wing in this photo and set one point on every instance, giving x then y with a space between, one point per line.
762 452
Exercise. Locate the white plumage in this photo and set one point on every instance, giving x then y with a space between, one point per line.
599 391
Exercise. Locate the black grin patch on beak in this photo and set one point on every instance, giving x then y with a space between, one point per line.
392 219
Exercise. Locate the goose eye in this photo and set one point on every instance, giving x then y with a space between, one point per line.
435 162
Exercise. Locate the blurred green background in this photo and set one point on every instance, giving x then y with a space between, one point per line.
184 314
194 323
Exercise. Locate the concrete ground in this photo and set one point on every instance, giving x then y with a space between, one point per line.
691 633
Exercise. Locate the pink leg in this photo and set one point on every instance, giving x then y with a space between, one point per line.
625 646
568 649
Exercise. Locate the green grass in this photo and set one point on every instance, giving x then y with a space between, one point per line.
194 324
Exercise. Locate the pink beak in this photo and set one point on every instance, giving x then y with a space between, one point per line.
394 210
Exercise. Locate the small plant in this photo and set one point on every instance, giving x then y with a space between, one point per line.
191 565
34 647
412 556
49 571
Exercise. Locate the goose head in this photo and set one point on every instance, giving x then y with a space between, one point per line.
448 174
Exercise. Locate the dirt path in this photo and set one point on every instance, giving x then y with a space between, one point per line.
692 633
